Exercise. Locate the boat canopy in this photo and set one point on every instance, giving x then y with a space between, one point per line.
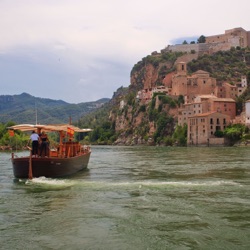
48 128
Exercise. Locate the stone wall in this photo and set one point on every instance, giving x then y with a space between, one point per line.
231 38
248 38
216 142
183 47
202 48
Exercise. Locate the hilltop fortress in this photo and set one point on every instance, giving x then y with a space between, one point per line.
209 105
232 38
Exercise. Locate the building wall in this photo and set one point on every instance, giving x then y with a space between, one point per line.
183 47
231 91
179 80
216 141
201 128
220 91
243 81
221 38
247 107
205 104
187 110
200 83
224 106
236 37
179 85
231 38
239 33
248 38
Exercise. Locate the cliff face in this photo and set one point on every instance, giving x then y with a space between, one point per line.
151 71
146 77
138 122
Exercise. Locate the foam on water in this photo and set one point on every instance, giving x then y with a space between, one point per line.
43 181
141 184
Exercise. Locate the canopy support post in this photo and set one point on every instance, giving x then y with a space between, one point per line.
30 166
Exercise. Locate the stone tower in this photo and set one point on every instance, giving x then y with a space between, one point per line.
179 80
181 68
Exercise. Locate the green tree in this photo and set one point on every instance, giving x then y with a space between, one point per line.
180 100
180 135
18 141
234 133
201 39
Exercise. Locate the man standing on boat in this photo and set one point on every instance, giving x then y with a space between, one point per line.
44 143
35 139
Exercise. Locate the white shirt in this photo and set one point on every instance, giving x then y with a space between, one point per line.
34 137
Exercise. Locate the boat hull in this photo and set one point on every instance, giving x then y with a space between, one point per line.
53 167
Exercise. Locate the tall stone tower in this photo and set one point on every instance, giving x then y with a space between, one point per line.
181 68
179 80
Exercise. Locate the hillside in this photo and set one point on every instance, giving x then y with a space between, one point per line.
25 108
132 122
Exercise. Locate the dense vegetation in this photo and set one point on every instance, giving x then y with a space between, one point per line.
18 141
103 130
25 108
224 65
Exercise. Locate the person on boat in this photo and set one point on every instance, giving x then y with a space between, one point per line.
34 137
44 143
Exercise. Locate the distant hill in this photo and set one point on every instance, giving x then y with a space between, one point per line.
25 108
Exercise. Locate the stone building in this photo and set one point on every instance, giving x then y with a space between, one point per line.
247 113
188 110
199 83
234 37
231 38
227 90
225 106
204 104
202 128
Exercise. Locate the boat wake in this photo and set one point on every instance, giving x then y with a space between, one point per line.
43 183
191 183
158 184
49 182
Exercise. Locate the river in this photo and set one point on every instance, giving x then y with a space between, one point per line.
133 198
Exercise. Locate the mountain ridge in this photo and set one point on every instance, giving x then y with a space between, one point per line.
25 108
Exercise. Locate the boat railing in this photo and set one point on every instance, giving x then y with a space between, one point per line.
69 149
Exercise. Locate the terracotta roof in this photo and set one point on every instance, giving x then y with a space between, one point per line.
204 114
206 96
201 72
207 114
223 100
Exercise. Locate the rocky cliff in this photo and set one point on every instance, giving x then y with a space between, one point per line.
149 122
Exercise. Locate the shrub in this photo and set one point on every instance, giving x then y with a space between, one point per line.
142 108
219 133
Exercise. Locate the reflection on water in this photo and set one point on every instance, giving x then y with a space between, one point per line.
133 198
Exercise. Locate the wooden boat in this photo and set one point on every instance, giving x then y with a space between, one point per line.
66 159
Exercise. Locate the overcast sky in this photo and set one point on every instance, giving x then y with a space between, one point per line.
79 50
